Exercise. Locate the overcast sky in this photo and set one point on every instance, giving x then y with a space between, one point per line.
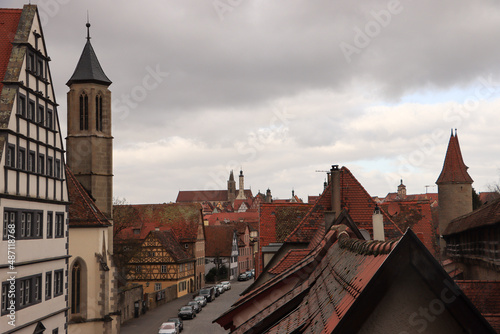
284 89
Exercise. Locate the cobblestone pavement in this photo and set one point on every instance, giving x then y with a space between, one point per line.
151 321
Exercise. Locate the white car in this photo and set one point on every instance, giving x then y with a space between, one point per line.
168 328
226 285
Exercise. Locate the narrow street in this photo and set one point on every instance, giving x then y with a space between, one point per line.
151 321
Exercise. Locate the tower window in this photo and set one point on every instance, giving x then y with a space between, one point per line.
98 113
84 112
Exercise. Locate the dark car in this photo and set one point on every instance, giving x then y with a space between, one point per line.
195 305
243 277
187 312
208 292
178 323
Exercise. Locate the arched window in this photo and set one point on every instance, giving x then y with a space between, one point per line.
98 113
84 112
76 288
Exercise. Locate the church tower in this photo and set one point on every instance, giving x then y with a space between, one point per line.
89 142
231 188
241 190
454 186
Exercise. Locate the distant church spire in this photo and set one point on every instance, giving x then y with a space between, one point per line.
88 27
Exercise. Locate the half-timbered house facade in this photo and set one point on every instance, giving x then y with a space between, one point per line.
162 262
33 190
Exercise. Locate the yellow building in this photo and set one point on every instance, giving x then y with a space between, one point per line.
162 262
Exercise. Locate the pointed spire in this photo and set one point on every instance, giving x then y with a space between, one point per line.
88 27
454 169
88 68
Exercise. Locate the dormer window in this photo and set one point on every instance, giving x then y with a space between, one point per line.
84 112
137 231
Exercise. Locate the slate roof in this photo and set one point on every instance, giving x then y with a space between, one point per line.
82 209
88 68
218 240
182 218
454 169
9 20
170 243
488 214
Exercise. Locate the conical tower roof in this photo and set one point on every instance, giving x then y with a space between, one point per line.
88 68
454 168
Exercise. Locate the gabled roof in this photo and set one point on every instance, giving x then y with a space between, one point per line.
292 257
82 210
206 195
88 69
488 214
9 20
171 245
355 199
232 217
454 169
219 240
183 219
339 285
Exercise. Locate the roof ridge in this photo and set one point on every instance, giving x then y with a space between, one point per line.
365 247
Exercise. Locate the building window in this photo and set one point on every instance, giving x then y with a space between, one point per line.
37 289
58 282
21 105
29 290
48 285
10 159
163 269
137 269
31 161
59 228
49 224
157 286
31 62
38 233
50 165
76 277
21 158
49 119
98 113
137 231
31 110
58 168
39 68
41 115
84 112
9 223
41 164
5 297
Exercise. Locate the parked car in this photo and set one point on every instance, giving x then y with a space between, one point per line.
178 323
201 300
195 305
221 288
243 277
187 312
208 292
249 274
227 285
168 328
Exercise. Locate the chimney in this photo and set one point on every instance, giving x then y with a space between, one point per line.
335 175
378 224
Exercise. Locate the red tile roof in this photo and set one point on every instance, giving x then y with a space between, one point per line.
218 240
355 199
9 20
206 195
454 169
170 243
82 210
231 217
488 214
292 257
485 295
183 219
416 215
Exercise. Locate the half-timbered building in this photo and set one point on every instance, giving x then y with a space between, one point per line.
33 190
162 262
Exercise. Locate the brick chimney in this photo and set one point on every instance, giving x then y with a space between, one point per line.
331 216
